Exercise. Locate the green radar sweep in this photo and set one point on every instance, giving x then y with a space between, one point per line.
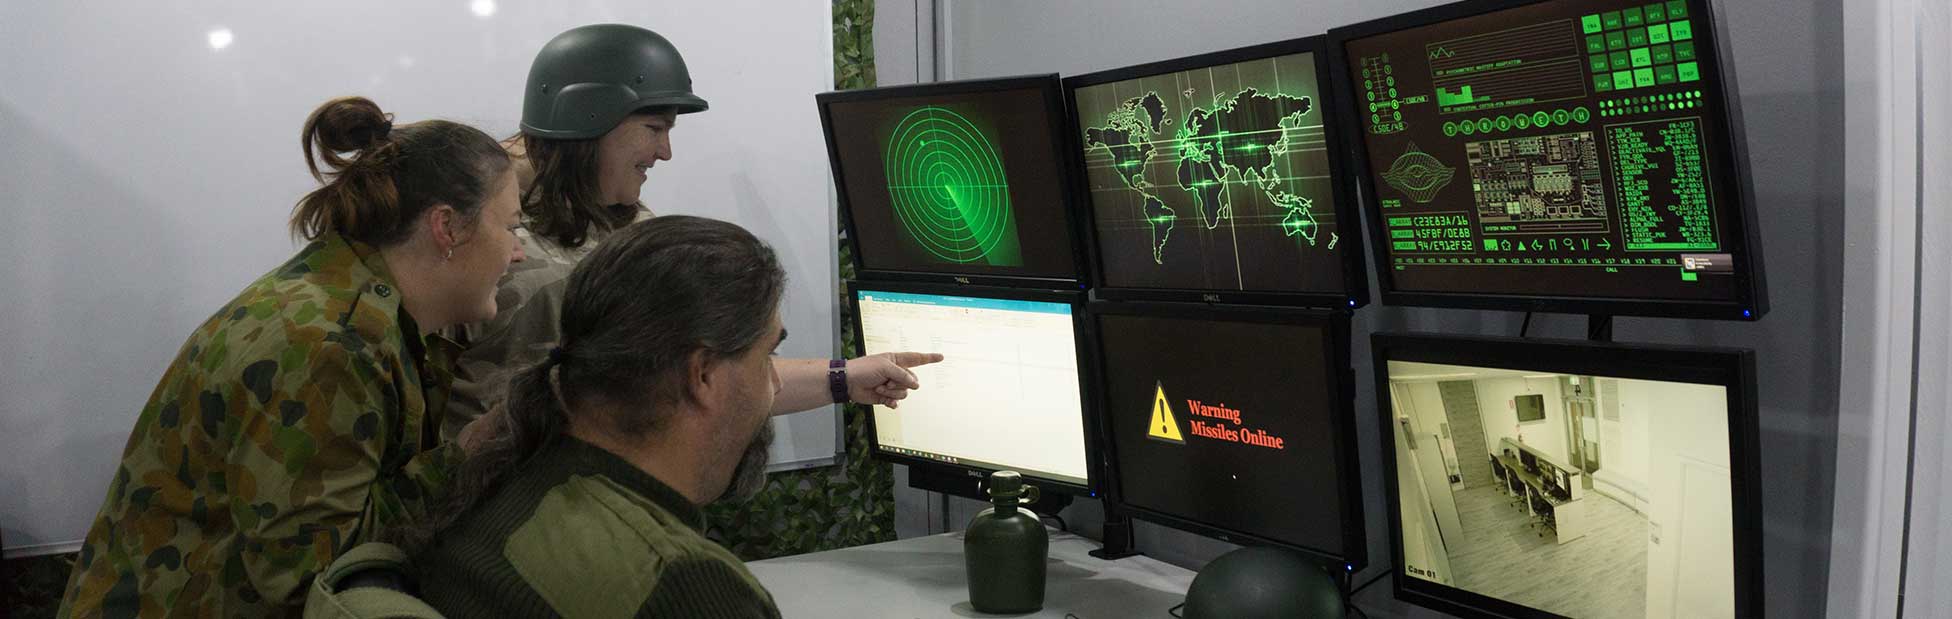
945 179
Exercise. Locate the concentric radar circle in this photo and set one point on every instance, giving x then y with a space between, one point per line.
946 181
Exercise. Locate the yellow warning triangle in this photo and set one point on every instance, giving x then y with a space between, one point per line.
1164 426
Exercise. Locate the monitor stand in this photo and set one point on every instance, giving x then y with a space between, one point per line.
969 485
1118 535
1599 328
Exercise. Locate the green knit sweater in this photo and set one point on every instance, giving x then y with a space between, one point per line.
579 532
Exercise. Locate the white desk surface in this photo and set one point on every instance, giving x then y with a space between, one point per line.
925 577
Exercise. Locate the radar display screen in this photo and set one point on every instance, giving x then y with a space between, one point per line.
955 178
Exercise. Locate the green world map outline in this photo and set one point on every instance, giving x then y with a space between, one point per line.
1211 157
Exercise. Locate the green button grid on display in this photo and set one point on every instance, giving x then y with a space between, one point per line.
1636 56
1687 71
1643 78
1663 54
1657 34
1664 74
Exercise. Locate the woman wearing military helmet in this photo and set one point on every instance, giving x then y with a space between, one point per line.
598 109
301 419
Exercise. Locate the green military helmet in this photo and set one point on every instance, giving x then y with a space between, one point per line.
586 80
1261 582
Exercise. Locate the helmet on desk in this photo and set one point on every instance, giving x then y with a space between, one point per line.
1252 583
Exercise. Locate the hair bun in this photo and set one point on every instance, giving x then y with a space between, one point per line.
349 124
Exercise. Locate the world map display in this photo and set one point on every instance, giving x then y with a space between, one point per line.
1217 175
1234 140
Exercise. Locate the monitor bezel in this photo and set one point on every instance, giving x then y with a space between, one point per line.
1355 279
1731 368
1087 375
1336 358
1048 86
1752 299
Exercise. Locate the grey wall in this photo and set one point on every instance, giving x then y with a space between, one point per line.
142 189
1788 62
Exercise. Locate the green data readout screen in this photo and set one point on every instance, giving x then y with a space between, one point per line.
1559 149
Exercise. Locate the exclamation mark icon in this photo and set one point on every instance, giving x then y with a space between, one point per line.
1164 427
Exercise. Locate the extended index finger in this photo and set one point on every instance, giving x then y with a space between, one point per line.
912 359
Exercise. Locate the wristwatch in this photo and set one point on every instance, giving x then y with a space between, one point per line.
837 380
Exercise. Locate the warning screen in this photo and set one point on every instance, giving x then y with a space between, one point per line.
1226 424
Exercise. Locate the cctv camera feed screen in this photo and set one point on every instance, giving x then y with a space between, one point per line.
1227 424
1577 495
1006 395
1213 178
1559 149
961 184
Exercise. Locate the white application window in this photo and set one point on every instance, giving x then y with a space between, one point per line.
1006 394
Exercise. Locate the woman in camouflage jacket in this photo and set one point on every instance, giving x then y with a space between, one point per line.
295 422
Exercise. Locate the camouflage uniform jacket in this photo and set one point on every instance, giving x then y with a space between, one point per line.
293 425
575 531
527 324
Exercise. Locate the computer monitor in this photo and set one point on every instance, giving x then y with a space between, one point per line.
1530 408
1655 510
962 180
1218 178
1009 393
1233 423
1581 156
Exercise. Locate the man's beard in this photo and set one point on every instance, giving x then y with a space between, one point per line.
749 477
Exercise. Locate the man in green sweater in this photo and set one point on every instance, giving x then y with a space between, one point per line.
586 503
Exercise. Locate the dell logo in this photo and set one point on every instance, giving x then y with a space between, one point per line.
962 280
1211 298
